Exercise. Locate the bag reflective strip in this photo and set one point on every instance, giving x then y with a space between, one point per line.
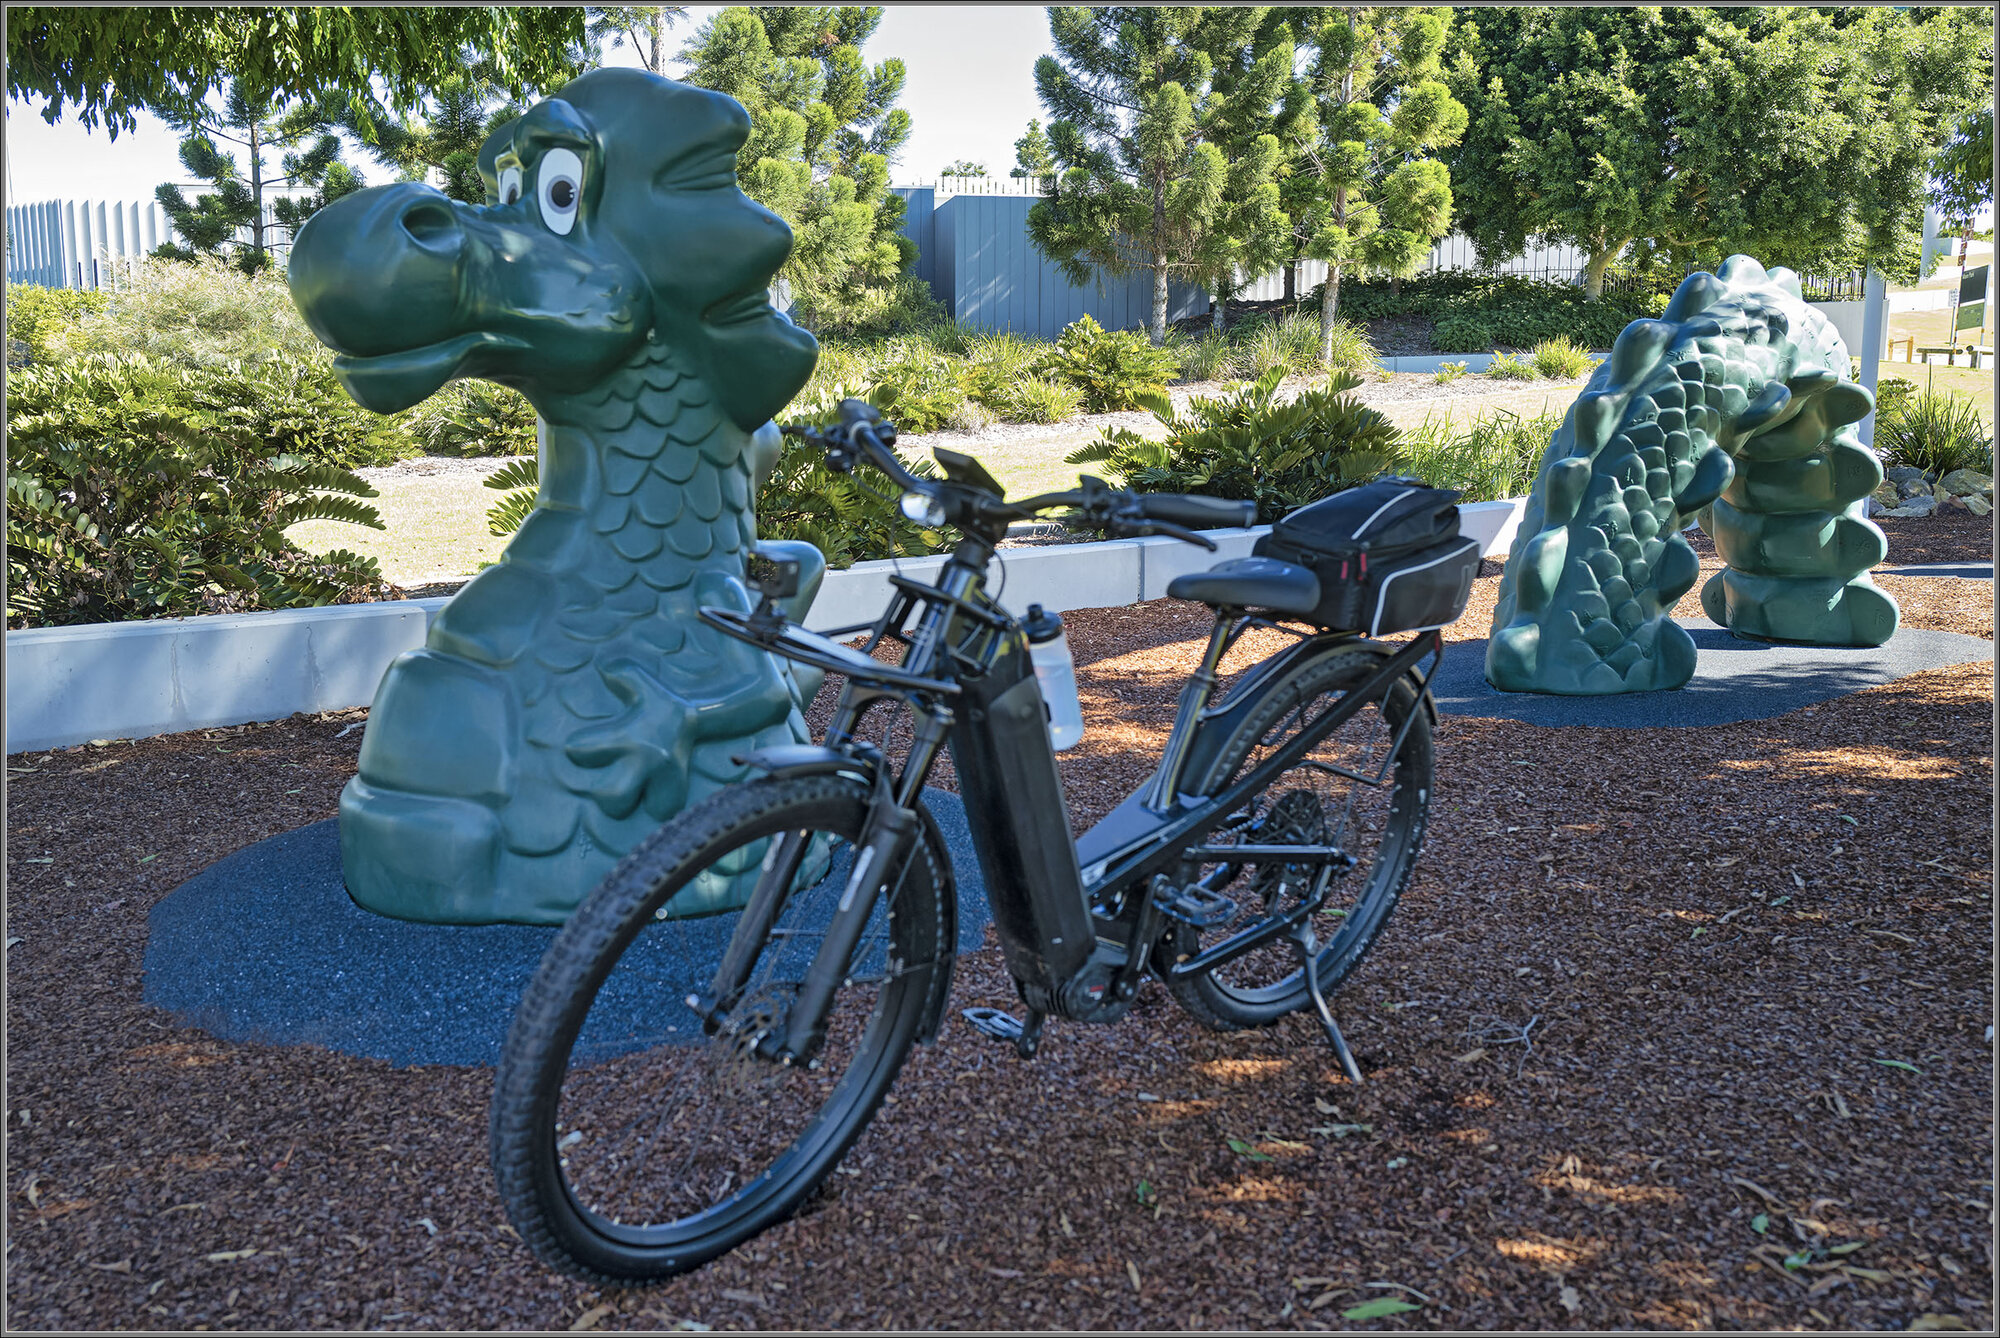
1379 510
1375 625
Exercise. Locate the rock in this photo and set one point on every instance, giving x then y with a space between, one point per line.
1917 487
1962 482
1916 506
1886 495
1978 505
1904 474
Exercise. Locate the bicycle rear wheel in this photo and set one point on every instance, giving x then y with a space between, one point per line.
628 1144
1347 794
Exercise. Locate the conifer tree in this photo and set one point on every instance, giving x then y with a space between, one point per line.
824 130
1367 196
1031 153
256 122
1142 131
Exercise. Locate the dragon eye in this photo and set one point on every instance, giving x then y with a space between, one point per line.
510 185
557 181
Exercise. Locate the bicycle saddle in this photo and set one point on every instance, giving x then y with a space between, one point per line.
1251 583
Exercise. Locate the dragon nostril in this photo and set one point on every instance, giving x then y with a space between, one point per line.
432 224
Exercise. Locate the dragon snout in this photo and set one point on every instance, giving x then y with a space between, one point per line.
378 271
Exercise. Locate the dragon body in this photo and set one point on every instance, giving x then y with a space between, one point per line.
1732 407
568 699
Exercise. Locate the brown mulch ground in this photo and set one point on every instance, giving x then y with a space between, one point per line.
1751 964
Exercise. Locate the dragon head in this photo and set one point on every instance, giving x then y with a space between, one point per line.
612 216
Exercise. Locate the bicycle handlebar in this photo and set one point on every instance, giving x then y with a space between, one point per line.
863 434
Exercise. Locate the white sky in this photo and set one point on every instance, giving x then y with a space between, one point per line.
970 92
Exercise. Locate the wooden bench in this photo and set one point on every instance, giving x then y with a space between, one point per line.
1951 352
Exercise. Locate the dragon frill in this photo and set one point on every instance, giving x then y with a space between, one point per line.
568 699
1732 406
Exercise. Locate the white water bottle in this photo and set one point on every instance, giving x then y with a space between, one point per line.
1055 673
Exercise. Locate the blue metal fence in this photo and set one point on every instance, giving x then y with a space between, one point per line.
973 250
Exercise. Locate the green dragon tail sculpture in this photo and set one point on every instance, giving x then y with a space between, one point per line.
569 699
1732 406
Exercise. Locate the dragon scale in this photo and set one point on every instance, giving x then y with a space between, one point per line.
1732 407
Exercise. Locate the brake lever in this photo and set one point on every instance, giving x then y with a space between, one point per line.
1145 526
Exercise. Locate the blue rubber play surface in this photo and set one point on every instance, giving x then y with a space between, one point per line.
1734 680
265 945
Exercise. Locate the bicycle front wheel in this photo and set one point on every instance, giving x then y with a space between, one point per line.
629 1143
1356 795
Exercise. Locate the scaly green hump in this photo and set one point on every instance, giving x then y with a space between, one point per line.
1732 406
568 700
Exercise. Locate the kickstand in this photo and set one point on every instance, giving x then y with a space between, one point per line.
1307 943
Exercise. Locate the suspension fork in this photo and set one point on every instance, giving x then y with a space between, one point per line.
882 855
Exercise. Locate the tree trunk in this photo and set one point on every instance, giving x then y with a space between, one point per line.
1329 303
256 198
1159 331
1291 281
1593 276
657 63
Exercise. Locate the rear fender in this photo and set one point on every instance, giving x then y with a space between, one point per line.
1219 722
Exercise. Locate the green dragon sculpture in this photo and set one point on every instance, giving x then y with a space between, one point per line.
568 699
1732 407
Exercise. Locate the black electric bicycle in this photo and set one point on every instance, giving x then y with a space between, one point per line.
637 1139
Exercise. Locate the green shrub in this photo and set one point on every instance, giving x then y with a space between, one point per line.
1448 373
45 323
1506 367
1208 356
1892 396
204 312
802 499
1113 369
1561 359
137 490
1489 460
1261 346
1353 351
1249 446
293 407
920 388
474 418
1934 431
1471 312
902 306
1037 399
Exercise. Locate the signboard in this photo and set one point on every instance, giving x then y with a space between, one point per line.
1972 300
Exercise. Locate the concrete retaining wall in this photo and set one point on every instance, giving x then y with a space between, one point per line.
68 685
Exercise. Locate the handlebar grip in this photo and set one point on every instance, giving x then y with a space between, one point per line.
1196 513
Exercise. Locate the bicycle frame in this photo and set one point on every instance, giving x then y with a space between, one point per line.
1075 937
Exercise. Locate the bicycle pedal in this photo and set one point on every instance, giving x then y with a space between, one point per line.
1197 908
1001 1026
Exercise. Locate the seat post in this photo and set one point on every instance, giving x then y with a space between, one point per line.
1194 700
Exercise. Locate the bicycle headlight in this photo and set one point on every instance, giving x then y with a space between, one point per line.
926 510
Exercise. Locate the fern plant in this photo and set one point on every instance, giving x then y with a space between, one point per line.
1249 446
132 493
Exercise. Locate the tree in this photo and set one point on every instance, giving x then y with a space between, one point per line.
963 168
255 123
824 128
1963 175
1141 129
644 26
1798 135
1031 153
110 63
444 137
1368 194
